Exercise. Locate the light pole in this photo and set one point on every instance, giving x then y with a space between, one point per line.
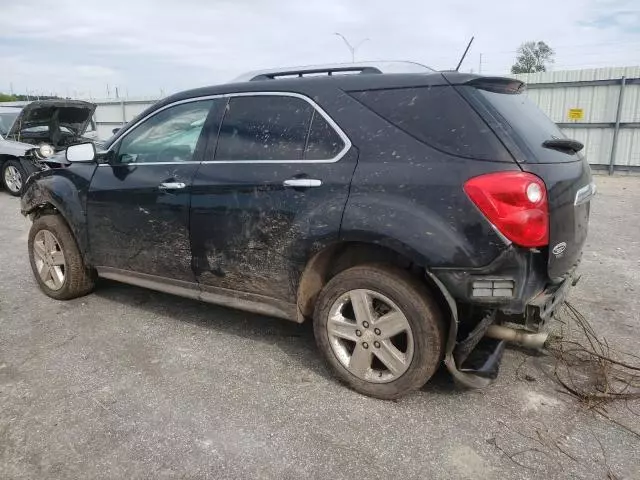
351 48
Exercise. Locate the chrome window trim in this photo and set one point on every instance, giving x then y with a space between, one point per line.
314 105
148 163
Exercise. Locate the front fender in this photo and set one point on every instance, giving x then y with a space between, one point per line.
13 148
65 190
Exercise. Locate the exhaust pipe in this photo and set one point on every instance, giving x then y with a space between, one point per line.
522 338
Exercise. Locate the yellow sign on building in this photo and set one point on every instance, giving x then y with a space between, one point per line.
576 114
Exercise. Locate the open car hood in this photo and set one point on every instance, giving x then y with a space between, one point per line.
72 114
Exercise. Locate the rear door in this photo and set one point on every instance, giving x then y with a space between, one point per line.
270 192
138 202
542 149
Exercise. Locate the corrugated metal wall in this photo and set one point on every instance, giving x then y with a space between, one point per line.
596 92
112 114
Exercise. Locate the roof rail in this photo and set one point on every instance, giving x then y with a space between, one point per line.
310 71
376 67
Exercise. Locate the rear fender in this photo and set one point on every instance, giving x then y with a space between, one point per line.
417 233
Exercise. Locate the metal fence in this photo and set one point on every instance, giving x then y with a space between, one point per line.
598 107
112 114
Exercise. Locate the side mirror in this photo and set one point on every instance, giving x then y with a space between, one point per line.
115 130
83 152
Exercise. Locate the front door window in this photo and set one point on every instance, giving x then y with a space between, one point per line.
169 136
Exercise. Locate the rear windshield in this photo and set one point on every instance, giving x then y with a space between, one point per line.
530 124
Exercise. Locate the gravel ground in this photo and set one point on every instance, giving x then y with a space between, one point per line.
128 383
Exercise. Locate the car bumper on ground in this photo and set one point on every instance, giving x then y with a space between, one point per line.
515 286
513 290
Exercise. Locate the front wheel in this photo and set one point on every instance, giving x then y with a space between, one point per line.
56 261
380 330
13 177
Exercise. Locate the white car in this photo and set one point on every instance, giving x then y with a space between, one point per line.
31 133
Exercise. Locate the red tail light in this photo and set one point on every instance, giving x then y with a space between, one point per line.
515 203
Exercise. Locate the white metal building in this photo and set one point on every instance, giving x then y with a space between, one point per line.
605 106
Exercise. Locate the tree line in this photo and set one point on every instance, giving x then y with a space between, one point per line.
7 97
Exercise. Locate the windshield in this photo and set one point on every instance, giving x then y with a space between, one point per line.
6 120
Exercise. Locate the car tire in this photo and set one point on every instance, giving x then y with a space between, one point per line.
56 261
389 289
13 177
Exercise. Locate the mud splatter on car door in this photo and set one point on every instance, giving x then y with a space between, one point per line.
138 202
274 191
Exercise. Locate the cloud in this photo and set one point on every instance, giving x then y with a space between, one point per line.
626 21
146 46
94 71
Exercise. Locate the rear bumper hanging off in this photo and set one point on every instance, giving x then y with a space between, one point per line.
474 361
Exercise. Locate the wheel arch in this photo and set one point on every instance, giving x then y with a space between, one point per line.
55 195
5 156
24 161
339 256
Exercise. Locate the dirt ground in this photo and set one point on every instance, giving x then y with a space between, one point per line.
129 383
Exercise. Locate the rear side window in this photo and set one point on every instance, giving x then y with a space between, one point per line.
264 128
439 117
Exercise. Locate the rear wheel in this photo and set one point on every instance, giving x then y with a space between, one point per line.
13 177
56 261
380 330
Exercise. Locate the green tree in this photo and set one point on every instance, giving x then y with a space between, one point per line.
6 98
533 57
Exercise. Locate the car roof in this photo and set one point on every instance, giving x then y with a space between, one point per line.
309 85
312 86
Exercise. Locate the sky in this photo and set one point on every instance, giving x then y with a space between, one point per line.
87 48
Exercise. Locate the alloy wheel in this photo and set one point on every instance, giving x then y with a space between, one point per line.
12 179
370 336
49 259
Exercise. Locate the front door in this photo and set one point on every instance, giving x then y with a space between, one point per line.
269 193
138 203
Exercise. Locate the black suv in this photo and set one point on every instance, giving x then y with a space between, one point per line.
406 214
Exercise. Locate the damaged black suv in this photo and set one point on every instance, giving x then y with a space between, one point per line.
409 216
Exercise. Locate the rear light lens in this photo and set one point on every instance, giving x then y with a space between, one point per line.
534 193
515 203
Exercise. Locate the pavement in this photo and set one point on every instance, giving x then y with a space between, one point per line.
129 383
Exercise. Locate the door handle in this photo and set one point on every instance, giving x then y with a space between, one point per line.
171 186
302 182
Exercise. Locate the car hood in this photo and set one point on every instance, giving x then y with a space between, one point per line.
17 149
72 114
